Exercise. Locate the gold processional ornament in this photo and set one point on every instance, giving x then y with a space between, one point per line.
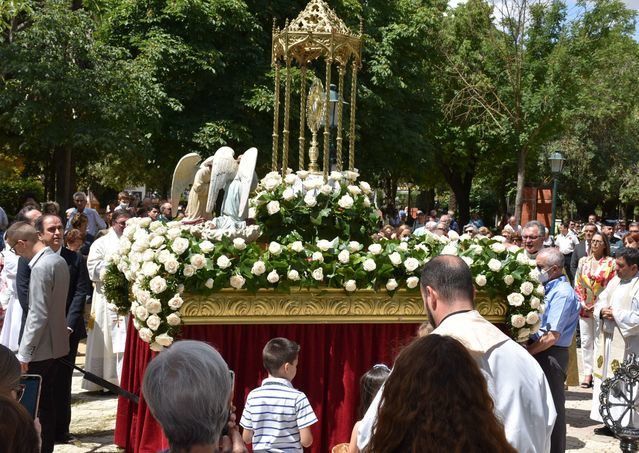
315 112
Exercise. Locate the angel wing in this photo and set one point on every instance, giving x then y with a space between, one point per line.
183 176
246 175
223 170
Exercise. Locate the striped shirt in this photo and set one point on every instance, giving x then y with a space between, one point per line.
276 412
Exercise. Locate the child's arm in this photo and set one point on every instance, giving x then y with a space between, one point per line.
247 436
306 438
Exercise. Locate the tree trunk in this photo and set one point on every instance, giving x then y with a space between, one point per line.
521 180
65 176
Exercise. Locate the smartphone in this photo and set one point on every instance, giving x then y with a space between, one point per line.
31 395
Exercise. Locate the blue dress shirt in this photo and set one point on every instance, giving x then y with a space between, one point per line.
562 311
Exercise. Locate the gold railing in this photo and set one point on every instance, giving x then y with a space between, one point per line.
317 306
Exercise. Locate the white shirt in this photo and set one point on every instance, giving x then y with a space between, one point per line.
516 382
566 243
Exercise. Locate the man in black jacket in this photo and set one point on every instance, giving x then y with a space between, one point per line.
583 248
51 231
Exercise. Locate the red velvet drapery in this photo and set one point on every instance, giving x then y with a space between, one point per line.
332 359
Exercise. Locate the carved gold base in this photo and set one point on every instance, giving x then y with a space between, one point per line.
327 306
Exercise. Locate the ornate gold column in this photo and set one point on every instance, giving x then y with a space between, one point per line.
351 144
340 103
276 116
302 139
287 116
327 118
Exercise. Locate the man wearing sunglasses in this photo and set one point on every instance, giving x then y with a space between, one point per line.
45 336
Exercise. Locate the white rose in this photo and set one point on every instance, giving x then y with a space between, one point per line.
209 283
391 284
145 222
141 313
273 276
515 299
156 242
173 319
274 248
290 179
523 334
148 255
157 284
542 308
198 261
324 245
468 260
518 321
297 246
154 306
302 174
344 256
336 176
499 238
345 202
367 202
366 187
509 279
163 255
207 246
317 256
534 303
125 245
449 249
476 249
375 249
145 334
522 258
540 290
176 302
526 288
534 274
326 189
498 247
310 199
411 264
403 246
412 282
150 269
395 258
481 280
258 268
171 266
239 243
164 340
237 281
354 190
153 322
173 233
180 245
350 285
532 318
369 265
270 183
143 296
273 207
189 271
318 274
354 246
288 194
312 184
223 262
494 265
293 275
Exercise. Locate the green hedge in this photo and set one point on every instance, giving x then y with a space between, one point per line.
13 191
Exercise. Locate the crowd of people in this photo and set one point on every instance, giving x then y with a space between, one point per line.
450 389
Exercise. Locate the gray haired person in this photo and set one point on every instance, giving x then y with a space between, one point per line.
533 235
188 389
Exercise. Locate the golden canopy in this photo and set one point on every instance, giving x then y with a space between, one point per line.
316 33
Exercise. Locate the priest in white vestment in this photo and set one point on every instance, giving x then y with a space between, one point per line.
617 335
106 336
516 382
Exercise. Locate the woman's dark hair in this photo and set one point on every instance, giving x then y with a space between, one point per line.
369 385
17 431
605 241
437 400
9 371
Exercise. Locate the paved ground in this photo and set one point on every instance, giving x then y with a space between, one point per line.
93 421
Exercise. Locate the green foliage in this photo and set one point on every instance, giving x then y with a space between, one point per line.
12 192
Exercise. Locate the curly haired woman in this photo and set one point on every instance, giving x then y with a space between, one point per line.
437 400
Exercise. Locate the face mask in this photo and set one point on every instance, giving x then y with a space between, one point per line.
124 205
544 277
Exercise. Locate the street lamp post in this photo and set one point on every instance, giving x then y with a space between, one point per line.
556 160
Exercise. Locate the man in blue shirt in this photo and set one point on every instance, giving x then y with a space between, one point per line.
558 323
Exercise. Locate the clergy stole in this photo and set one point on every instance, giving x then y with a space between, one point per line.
612 343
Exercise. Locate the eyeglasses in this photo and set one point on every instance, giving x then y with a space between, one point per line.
530 238
19 391
12 247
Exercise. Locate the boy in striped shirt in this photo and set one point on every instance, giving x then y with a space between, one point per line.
277 417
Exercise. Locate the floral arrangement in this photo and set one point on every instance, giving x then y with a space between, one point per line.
303 202
157 262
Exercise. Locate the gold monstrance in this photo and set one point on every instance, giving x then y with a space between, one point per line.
317 33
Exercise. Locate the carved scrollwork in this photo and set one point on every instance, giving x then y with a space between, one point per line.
316 306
